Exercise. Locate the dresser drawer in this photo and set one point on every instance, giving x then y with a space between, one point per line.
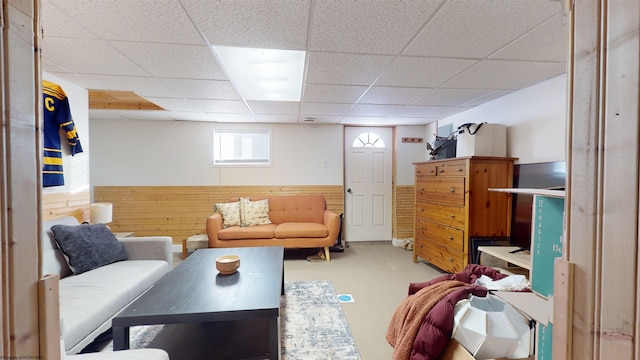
426 170
440 234
440 256
452 169
443 190
444 214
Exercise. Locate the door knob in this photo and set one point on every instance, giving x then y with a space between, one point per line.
349 190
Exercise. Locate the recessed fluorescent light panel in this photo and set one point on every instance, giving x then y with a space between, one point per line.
263 74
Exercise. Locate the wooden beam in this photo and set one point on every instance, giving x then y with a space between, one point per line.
119 100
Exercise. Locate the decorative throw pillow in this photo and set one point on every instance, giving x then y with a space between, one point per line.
87 247
230 213
254 212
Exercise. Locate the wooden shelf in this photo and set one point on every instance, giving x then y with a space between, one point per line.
532 304
531 191
521 258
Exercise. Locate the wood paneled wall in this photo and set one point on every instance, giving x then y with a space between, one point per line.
404 211
181 211
57 205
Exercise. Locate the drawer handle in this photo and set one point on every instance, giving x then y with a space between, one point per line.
459 169
441 171
420 245
432 171
450 237
419 172
421 210
451 259
452 190
452 216
421 189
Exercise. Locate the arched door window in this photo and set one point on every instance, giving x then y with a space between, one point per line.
368 139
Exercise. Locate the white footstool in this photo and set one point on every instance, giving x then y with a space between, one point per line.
193 242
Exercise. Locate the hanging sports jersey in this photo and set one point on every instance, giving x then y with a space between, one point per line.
57 115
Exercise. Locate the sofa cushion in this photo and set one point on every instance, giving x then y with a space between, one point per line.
89 299
230 213
87 247
251 232
301 230
298 208
254 212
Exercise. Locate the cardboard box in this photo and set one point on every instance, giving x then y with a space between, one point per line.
489 140
546 241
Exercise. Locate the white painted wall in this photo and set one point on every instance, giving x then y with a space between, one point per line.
76 168
408 153
535 119
177 153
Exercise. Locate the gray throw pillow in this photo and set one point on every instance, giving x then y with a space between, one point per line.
87 247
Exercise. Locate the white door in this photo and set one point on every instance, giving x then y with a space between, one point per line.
368 155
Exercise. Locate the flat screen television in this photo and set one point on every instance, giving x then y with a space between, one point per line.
546 175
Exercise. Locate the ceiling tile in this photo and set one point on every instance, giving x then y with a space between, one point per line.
345 69
496 74
105 115
203 89
422 72
332 93
143 86
75 79
190 116
56 23
488 97
174 61
316 109
199 105
374 110
144 115
379 26
547 73
475 29
248 23
274 107
413 121
422 111
451 97
366 121
392 95
72 54
546 42
232 118
131 20
268 118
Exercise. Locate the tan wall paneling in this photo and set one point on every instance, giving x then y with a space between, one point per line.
405 211
57 205
181 211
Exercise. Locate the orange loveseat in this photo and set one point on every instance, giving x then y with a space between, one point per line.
297 221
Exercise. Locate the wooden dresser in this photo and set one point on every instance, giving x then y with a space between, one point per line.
453 205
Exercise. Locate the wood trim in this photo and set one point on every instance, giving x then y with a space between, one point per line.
181 211
49 316
119 100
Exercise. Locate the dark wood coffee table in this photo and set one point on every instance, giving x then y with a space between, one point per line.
195 292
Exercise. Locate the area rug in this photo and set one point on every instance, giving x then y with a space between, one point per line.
313 325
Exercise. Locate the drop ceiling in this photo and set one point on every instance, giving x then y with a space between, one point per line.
371 62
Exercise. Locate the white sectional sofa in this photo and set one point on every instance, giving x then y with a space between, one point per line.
89 300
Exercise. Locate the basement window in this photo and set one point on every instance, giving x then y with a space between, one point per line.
241 147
